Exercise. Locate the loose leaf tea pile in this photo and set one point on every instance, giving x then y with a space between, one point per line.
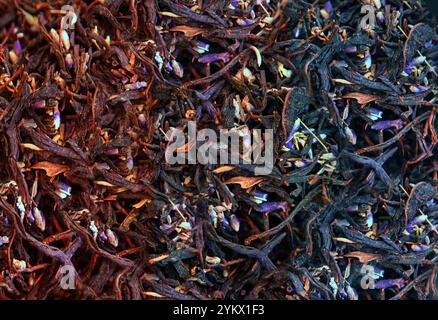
91 93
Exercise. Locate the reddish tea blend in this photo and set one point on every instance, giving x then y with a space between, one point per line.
218 149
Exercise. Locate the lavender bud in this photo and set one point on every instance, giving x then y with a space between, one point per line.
368 61
40 221
418 61
235 223
17 47
142 119
31 217
65 38
112 238
201 47
212 260
374 113
351 49
69 61
130 163
418 89
380 17
64 190
259 197
351 135
177 69
301 163
369 220
297 32
54 35
244 22
40 104
353 208
415 222
13 56
419 247
112 152
136 85
56 118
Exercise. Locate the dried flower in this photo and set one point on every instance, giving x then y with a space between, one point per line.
63 190
65 39
40 221
382 125
13 56
388 283
419 247
19 265
214 261
328 6
40 104
201 47
112 238
69 61
418 89
235 222
273 206
351 135
136 85
17 47
213 57
4 240
177 69
374 113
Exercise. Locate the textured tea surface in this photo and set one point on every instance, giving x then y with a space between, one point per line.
90 92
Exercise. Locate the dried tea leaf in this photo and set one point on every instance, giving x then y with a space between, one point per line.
364 257
105 184
141 203
223 169
169 14
362 98
52 169
31 146
245 182
189 31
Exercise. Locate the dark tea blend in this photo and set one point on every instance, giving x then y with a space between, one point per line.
218 149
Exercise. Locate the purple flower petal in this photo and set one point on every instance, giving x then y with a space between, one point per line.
352 208
69 61
244 22
206 107
56 118
40 104
17 47
213 57
328 6
351 49
273 206
382 125
235 222
419 247
388 283
418 89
